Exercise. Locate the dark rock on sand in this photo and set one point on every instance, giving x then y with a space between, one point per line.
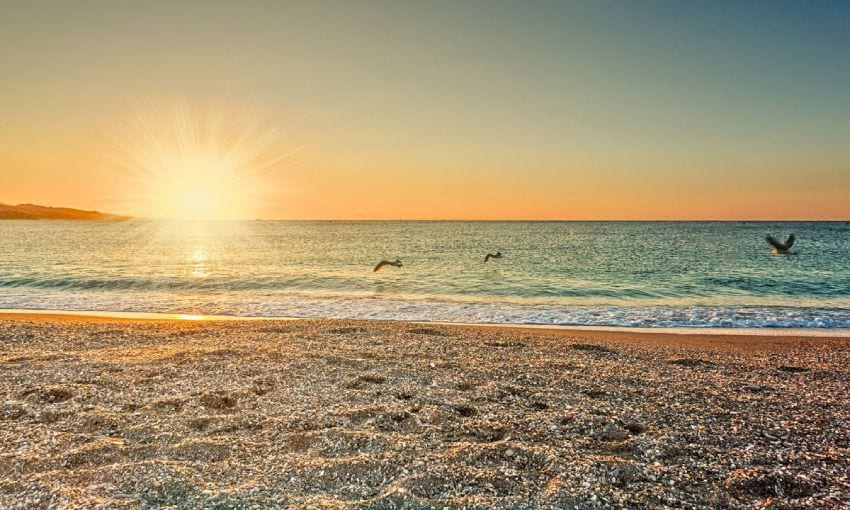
612 432
634 427
593 348
693 363
766 483
792 369
50 395
218 401
465 410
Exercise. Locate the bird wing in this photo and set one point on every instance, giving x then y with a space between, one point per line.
790 241
773 242
380 265
487 257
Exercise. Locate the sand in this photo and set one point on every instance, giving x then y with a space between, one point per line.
341 414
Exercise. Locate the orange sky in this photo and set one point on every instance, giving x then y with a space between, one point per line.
393 111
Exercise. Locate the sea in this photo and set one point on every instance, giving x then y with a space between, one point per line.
569 273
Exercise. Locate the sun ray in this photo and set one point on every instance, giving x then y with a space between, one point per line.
190 162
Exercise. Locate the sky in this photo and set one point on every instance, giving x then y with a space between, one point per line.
428 110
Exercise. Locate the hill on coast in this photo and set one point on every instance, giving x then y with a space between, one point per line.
40 212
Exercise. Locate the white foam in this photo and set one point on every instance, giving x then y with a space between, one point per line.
278 305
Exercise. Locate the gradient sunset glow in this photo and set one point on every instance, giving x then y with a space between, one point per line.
432 110
196 162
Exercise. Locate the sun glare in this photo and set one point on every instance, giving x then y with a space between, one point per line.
200 187
196 163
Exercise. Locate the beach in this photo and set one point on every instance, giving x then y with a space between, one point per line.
139 413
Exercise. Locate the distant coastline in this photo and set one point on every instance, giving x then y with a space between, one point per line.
40 212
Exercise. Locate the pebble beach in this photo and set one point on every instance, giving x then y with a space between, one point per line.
108 413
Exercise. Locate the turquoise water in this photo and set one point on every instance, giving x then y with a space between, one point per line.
651 274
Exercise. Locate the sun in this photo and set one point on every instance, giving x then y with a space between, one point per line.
196 163
200 187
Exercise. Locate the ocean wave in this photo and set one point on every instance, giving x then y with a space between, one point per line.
787 286
438 311
331 285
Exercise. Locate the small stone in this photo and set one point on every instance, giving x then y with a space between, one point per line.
634 427
613 432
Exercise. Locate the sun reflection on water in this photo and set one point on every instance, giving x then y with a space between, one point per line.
198 261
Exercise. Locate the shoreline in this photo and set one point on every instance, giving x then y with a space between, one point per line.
572 330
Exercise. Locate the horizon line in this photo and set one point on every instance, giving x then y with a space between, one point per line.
505 220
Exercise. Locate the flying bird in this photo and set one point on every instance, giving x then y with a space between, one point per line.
781 248
383 263
496 255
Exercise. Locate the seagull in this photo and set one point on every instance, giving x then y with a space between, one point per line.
781 248
496 255
383 263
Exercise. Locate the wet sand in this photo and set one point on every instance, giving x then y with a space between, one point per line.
130 413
